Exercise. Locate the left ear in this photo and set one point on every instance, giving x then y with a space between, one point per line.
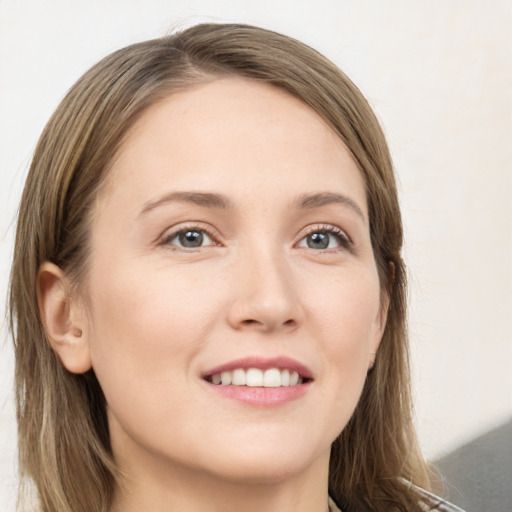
382 316
63 318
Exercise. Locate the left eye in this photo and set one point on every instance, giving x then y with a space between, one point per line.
323 239
189 238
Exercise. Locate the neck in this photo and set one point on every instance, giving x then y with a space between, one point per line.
161 487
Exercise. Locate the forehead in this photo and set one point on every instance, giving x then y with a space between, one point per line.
227 132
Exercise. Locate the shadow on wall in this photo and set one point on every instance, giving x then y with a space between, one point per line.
478 476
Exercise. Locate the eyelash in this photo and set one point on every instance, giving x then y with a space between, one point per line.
342 238
167 239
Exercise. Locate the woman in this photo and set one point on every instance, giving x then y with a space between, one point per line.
207 295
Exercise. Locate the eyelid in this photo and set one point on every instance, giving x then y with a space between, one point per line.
172 232
345 240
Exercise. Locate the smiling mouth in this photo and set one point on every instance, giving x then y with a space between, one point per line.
255 377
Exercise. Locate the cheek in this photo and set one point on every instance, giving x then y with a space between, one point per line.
347 309
347 316
138 308
145 331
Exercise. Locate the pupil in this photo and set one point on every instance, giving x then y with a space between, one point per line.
318 241
191 239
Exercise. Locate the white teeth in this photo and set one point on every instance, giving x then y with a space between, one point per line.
254 377
225 378
272 378
239 378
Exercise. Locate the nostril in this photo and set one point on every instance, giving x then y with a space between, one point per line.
250 321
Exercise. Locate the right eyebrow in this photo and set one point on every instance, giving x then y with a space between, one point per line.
324 198
205 199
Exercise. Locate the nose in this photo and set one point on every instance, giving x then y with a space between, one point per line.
265 295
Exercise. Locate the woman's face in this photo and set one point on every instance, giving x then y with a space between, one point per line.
231 242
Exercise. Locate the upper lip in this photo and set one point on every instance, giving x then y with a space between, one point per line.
263 363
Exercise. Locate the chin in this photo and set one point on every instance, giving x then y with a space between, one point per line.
258 472
258 465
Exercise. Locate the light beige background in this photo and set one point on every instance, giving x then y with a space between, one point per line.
439 76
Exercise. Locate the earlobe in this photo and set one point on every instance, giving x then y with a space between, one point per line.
380 326
63 319
386 299
373 355
382 316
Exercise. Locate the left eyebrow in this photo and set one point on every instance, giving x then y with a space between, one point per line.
205 199
326 198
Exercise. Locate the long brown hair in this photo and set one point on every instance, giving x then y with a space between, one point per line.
64 445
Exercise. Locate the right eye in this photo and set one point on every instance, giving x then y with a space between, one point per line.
189 238
325 238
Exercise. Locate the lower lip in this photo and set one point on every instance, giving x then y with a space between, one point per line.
259 396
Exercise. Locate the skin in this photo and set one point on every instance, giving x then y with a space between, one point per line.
156 315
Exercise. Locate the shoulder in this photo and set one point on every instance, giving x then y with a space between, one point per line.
429 502
432 502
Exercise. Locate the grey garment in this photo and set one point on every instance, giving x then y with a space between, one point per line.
433 502
430 502
478 475
332 506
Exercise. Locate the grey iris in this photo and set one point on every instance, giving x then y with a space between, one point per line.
191 239
318 241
